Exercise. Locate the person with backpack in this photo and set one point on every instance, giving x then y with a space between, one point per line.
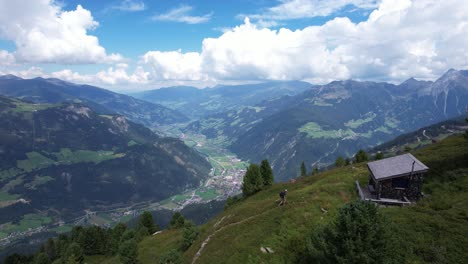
283 197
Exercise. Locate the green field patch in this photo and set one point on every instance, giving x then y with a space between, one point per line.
359 122
383 129
11 184
62 229
38 181
22 107
132 143
3 235
5 196
106 116
67 156
207 194
391 122
35 161
314 130
29 221
10 173
179 198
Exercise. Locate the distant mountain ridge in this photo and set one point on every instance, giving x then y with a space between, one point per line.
335 119
198 103
40 90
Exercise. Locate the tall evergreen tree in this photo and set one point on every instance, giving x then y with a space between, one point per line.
189 234
146 220
340 162
253 181
303 169
361 156
74 252
267 173
379 156
347 161
177 220
128 252
315 170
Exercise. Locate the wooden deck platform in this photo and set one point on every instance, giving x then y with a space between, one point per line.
365 195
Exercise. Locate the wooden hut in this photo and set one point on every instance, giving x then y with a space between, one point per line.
394 180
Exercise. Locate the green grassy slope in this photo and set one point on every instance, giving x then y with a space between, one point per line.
434 230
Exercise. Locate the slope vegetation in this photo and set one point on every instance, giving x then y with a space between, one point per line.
434 230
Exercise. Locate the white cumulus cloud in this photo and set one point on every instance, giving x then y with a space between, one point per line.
400 39
44 33
182 14
296 9
117 75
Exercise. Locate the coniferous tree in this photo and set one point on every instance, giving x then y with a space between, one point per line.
115 238
315 170
41 258
177 220
361 156
146 220
407 148
359 234
189 234
50 249
128 252
74 252
171 257
267 173
303 169
379 156
340 162
347 161
253 181
466 132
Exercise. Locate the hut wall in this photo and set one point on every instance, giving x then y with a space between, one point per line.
396 188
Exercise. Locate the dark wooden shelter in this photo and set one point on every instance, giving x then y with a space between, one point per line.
394 180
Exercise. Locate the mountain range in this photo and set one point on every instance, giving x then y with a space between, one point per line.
336 119
40 90
59 159
197 103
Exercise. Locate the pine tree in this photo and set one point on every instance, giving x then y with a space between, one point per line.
359 234
177 220
41 258
361 156
189 234
339 162
347 161
407 148
74 252
315 170
379 156
128 252
267 173
253 181
303 169
146 220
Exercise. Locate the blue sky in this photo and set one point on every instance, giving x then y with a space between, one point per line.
134 33
144 44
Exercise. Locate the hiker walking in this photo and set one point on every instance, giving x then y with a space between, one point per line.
283 197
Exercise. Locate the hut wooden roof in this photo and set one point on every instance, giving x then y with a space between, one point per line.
397 166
